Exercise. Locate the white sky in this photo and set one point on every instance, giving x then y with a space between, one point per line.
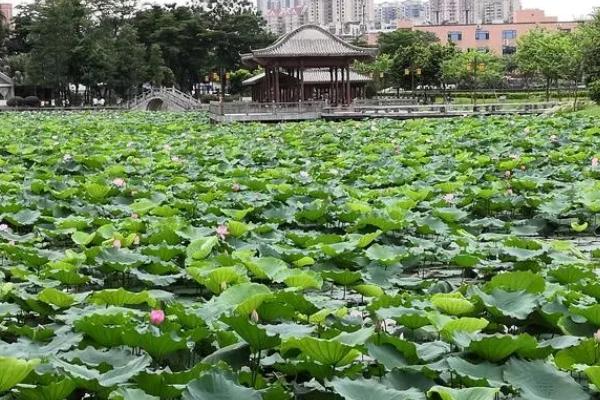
564 9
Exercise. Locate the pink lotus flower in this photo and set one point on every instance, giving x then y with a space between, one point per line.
523 167
12 243
595 162
554 138
448 198
597 336
135 216
67 157
3 228
117 244
157 317
236 187
509 192
508 174
119 182
136 240
222 232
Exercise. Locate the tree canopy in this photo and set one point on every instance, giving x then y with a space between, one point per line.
113 46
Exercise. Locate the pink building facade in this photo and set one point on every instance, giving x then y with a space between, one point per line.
7 11
500 39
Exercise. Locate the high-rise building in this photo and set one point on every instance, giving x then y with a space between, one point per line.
452 11
386 14
495 11
445 12
342 17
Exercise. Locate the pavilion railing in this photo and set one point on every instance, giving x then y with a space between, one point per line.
251 108
456 108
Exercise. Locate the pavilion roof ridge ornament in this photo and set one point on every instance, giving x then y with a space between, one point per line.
311 41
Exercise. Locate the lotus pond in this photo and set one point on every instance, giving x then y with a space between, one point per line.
154 256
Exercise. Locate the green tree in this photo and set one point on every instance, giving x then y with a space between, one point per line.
390 43
236 80
156 68
546 54
234 28
56 34
588 37
474 70
129 62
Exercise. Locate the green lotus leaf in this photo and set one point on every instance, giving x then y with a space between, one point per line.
327 352
496 348
452 304
120 259
82 238
579 228
238 229
477 393
256 337
201 248
96 192
56 297
56 390
244 297
585 353
369 290
409 317
217 279
518 305
590 313
158 344
305 279
481 374
465 324
216 386
363 389
121 297
593 374
542 381
130 394
23 217
450 215
13 371
526 281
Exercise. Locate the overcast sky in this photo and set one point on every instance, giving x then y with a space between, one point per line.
564 9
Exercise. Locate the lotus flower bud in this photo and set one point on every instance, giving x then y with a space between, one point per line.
117 244
119 182
597 336
254 316
236 187
595 162
157 317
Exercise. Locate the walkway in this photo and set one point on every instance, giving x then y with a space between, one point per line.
279 112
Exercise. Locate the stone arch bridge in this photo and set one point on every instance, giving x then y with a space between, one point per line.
164 99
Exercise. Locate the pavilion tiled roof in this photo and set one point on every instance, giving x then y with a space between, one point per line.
314 76
312 41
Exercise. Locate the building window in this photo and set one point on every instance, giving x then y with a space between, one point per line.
454 36
482 35
508 35
507 50
483 49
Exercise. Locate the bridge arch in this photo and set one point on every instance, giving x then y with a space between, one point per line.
155 104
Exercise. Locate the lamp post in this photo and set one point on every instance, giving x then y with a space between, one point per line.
413 72
474 67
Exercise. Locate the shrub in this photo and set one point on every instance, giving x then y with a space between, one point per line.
594 91
16 101
32 101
